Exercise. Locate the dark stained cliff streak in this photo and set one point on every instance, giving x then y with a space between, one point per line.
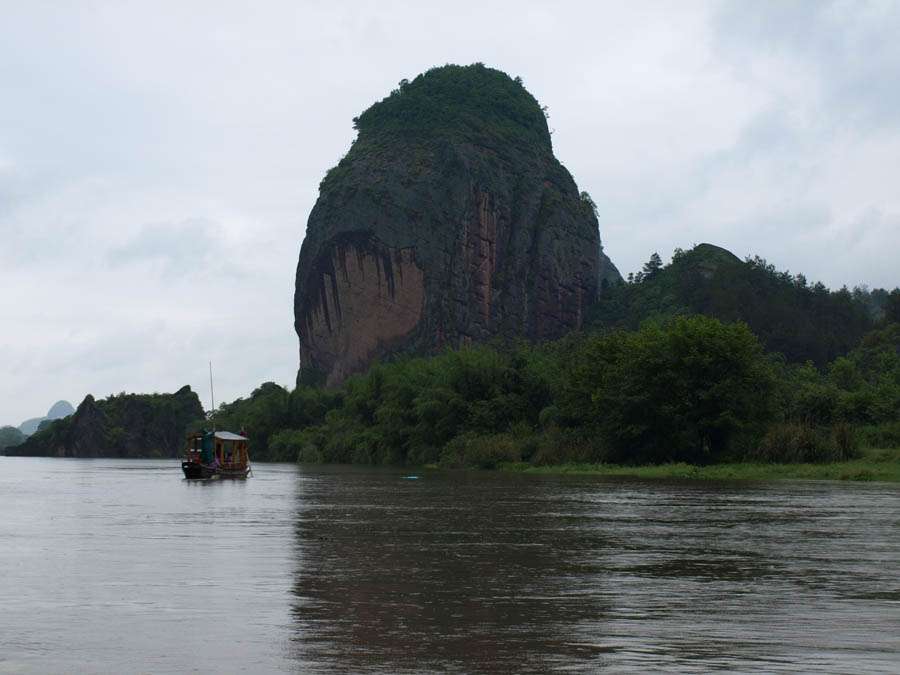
448 222
354 288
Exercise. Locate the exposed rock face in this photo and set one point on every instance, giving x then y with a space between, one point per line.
127 425
608 273
449 221
88 433
364 298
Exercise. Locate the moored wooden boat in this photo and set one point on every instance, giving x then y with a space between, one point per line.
216 454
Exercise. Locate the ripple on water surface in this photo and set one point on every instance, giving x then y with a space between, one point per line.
121 566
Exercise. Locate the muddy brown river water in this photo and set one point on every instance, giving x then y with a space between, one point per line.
123 567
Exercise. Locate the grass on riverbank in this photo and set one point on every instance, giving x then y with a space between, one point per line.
874 465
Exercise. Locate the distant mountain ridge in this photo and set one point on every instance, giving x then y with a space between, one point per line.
57 411
125 425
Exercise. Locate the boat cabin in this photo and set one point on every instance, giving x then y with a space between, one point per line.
218 448
230 449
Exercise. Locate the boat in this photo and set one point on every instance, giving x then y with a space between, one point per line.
216 454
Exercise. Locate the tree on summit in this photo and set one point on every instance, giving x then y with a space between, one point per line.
651 267
892 307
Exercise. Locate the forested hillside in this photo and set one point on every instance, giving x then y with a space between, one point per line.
123 425
802 321
704 360
691 388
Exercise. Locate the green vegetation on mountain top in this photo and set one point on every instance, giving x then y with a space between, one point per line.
802 321
447 105
474 102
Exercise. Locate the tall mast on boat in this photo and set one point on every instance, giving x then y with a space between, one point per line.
212 398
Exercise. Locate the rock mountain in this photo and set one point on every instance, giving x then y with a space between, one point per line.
124 425
449 221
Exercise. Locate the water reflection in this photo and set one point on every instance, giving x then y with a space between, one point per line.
496 573
120 566
440 572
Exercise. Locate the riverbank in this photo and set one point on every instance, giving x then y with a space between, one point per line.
874 465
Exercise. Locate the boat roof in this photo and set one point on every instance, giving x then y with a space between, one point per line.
228 436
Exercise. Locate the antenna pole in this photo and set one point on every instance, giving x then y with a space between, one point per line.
212 397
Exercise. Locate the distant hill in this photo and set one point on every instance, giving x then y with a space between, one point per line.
125 425
10 436
57 411
803 322
60 409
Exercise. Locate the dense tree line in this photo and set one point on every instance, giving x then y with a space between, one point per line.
466 101
703 360
10 437
689 388
446 107
802 321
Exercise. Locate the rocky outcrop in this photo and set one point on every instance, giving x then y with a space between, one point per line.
608 274
448 222
126 425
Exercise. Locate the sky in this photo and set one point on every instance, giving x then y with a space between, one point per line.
158 160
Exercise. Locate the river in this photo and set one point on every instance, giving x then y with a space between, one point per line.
113 566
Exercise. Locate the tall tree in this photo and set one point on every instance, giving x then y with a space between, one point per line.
652 267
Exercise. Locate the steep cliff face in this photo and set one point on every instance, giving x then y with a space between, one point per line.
449 221
608 274
127 425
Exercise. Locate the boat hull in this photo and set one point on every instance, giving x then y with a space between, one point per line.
198 471
233 473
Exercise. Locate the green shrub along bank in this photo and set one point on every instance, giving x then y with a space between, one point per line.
873 465
682 391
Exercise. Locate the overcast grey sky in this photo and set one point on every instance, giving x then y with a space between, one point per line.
158 160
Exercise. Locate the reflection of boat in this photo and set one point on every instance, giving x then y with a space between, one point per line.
216 454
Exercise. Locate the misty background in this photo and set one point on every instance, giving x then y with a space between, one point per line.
158 161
